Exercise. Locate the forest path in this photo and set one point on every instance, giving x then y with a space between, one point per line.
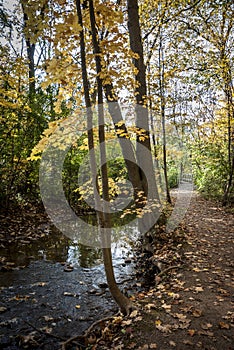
193 307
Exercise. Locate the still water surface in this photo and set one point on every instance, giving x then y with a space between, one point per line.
53 246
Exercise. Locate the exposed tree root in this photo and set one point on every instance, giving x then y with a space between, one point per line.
168 269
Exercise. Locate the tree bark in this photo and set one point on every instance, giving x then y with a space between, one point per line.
230 116
126 145
143 147
163 105
30 54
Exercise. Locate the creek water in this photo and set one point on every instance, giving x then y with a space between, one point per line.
54 246
37 290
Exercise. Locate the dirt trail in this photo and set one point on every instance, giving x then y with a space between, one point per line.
193 307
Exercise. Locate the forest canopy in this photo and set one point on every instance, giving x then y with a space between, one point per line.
187 58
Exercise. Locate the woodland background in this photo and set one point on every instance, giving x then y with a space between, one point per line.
188 58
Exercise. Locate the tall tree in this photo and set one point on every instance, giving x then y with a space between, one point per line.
103 208
123 302
143 147
162 107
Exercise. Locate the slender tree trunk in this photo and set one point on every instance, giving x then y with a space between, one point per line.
104 216
152 122
92 159
230 116
163 103
30 54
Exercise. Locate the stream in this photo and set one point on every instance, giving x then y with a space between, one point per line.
56 285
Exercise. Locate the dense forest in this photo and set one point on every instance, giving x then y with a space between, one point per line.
116 134
109 108
50 72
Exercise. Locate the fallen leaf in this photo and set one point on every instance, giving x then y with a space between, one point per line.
29 340
68 294
165 328
206 325
133 314
48 318
186 308
117 319
188 342
198 289
126 323
180 316
139 318
166 307
224 325
191 332
172 343
47 330
223 291
158 322
197 313
42 284
153 346
3 309
77 306
208 333
150 306
184 324
196 269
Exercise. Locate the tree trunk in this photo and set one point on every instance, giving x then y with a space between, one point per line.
104 216
128 152
163 103
143 147
30 54
88 104
230 112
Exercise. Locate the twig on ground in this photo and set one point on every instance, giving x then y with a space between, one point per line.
48 334
85 335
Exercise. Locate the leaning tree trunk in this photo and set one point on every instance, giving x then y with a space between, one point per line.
143 147
126 145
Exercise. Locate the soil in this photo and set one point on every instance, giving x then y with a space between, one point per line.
189 306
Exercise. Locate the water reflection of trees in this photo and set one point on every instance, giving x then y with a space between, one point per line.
57 247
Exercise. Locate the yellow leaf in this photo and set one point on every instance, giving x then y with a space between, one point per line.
133 313
158 322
